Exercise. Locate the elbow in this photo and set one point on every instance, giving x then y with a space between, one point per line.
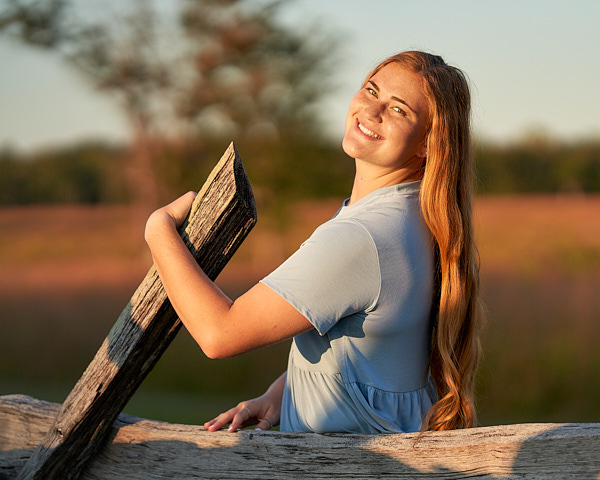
216 346
215 353
218 339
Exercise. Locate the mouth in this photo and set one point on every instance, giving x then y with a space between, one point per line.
367 131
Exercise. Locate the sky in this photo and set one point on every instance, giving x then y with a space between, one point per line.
534 67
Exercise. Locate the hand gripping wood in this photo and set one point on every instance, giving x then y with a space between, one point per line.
220 218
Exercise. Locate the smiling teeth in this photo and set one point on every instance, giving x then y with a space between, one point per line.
366 131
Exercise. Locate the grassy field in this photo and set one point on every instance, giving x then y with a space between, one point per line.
67 272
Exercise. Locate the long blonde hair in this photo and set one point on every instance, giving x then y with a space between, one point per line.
446 205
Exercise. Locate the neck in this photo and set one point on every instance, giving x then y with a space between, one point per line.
368 179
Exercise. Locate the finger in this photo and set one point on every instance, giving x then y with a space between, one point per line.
264 424
185 199
239 416
179 208
219 422
242 418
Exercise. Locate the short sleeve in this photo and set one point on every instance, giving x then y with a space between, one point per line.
333 274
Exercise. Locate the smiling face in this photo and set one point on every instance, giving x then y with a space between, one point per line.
387 120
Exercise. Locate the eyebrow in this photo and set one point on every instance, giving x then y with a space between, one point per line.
394 97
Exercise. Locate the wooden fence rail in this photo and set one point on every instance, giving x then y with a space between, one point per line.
151 450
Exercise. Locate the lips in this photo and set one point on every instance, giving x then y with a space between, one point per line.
367 131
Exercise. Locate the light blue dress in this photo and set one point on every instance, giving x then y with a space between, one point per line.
364 279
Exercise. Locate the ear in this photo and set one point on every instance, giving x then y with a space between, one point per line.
422 153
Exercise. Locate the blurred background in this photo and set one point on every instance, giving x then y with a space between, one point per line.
109 109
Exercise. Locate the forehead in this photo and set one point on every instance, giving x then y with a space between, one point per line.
396 80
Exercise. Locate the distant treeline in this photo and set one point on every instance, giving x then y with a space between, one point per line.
98 173
95 173
539 165
86 174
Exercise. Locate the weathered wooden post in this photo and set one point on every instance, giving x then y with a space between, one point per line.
222 215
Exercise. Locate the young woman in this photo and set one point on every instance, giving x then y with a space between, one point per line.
382 300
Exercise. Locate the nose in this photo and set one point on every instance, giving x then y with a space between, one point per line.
373 111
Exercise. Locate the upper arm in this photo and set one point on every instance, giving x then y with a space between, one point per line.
256 319
334 274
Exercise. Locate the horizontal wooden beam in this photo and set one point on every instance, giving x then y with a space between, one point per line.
141 448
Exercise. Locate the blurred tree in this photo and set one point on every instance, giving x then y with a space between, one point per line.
36 23
117 55
251 76
220 68
122 58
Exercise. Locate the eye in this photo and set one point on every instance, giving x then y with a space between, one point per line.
372 91
399 110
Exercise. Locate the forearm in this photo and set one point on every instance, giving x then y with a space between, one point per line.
275 390
199 303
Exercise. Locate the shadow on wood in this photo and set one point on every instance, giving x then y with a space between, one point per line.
148 449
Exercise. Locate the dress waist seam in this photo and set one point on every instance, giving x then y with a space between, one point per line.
393 392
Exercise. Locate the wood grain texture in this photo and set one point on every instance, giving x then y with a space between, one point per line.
222 215
145 449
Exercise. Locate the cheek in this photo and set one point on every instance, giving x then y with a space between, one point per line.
409 135
349 122
352 110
